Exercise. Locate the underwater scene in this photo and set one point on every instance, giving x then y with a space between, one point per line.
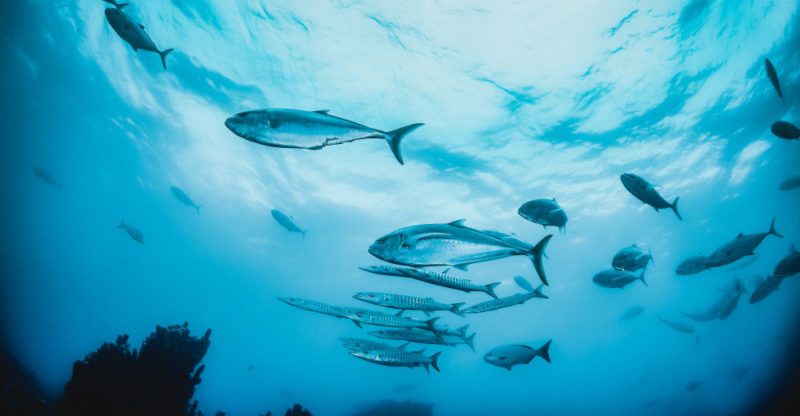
350 207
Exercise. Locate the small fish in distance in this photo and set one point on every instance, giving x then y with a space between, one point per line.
288 223
645 192
185 200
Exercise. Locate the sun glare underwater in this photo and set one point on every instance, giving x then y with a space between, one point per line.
353 207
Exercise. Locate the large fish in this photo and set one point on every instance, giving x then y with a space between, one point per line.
616 279
507 356
678 326
46 177
132 32
773 77
185 200
631 259
789 265
132 231
287 222
790 183
647 193
507 301
399 358
454 244
545 212
765 288
312 130
742 245
785 130
692 265
390 300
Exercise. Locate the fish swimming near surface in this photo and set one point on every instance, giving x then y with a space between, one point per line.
647 193
507 356
358 344
326 309
742 245
438 279
185 200
507 301
287 222
400 358
405 302
677 325
132 32
767 286
454 244
773 78
631 313
632 258
312 130
692 265
46 177
785 130
789 265
132 231
616 279
545 212
396 321
790 183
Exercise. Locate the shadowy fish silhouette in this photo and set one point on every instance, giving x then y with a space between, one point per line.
46 177
132 32
742 245
785 130
507 356
287 222
678 326
647 193
545 212
692 265
790 183
616 279
773 78
185 200
133 232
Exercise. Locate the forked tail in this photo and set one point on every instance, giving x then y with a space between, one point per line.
544 351
454 307
490 289
395 136
471 341
641 277
536 254
772 229
674 207
435 361
164 56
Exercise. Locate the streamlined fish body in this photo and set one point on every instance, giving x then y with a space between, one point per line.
507 356
400 358
132 32
645 192
742 245
185 200
545 212
406 302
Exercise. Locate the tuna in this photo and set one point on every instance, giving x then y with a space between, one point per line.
426 305
631 259
790 183
789 265
399 358
545 212
507 301
742 245
438 279
773 78
46 177
185 200
454 244
785 130
287 222
616 279
507 356
132 231
647 193
678 326
692 265
132 32
312 130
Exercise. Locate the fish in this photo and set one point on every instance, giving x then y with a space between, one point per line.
723 306
692 265
424 336
645 192
742 245
631 313
287 222
506 301
789 265
358 344
46 177
312 130
454 244
767 286
400 358
773 78
438 279
396 321
545 212
617 279
185 200
326 309
785 130
693 385
507 356
132 32
390 300
678 326
790 183
631 259
132 231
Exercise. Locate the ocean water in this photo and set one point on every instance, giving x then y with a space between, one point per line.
520 100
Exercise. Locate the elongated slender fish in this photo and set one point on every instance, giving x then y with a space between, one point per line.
773 78
132 231
790 183
545 212
132 32
326 309
396 321
647 193
742 245
358 344
385 270
399 358
507 356
454 244
287 222
438 279
632 258
424 336
506 301
678 326
312 130
185 200
785 130
46 177
617 279
390 300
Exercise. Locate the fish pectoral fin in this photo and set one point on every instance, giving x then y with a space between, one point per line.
141 26
322 112
462 267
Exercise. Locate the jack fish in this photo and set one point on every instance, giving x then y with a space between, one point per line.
647 193
631 259
288 223
545 212
791 183
616 279
678 326
132 32
692 265
789 265
742 245
765 288
132 231
507 356
785 130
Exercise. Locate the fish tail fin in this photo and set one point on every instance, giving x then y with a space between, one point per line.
641 277
395 136
536 254
164 56
674 207
121 224
544 351
772 229
470 341
538 292
490 289
462 331
431 323
435 361
455 308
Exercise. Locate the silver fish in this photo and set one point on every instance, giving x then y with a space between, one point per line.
438 279
287 222
678 326
185 200
454 244
396 321
545 212
399 358
132 32
132 231
647 193
390 300
358 344
506 301
424 336
742 245
507 356
326 309
631 259
616 279
312 130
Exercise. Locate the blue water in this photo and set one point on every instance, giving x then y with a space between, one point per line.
520 100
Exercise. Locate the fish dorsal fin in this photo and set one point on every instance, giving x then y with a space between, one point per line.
322 112
400 313
141 26
403 347
739 236
461 267
554 200
446 270
457 223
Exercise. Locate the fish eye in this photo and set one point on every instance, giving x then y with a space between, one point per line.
372 295
381 241
404 245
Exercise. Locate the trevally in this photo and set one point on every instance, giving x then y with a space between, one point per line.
545 212
616 279
632 258
507 356
132 231
312 130
287 222
132 32
647 193
742 245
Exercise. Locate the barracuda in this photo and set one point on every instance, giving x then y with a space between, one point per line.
405 302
